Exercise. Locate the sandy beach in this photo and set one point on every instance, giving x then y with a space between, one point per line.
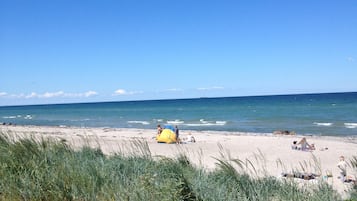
269 153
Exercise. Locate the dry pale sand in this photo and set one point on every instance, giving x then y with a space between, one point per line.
268 152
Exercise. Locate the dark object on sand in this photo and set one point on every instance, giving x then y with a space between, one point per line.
284 132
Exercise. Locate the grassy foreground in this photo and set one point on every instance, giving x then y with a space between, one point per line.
51 170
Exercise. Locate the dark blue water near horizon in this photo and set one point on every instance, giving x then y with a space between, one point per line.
332 114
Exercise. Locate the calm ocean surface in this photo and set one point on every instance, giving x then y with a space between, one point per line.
317 114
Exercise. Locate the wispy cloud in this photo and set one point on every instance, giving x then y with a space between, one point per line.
72 95
174 89
90 93
31 95
50 95
119 92
350 59
209 88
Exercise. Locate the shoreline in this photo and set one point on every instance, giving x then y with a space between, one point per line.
220 132
270 154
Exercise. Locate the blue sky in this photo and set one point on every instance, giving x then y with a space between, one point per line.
64 51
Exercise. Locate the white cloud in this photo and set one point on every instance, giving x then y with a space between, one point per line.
90 93
120 92
350 59
32 95
17 95
85 94
124 92
209 88
51 95
174 89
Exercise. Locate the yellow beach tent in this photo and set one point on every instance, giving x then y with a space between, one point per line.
166 136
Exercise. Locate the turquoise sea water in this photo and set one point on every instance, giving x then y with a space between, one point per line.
317 114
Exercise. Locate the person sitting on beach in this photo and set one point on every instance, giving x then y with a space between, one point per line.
159 129
304 145
188 139
342 166
191 138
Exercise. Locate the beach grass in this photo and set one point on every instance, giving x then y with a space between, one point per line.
353 163
47 169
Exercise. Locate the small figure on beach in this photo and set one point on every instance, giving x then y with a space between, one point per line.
191 138
159 129
177 133
304 145
342 166
188 139
294 145
284 132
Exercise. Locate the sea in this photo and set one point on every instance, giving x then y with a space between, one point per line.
327 114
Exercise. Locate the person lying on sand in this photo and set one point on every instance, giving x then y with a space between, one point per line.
351 179
305 176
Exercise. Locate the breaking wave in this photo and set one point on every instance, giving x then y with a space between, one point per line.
139 122
323 124
175 122
350 125
207 123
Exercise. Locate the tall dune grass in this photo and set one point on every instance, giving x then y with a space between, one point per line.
32 169
353 163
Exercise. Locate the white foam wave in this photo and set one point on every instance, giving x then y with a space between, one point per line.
28 117
323 124
79 120
207 123
199 124
175 122
9 117
221 122
203 121
18 116
350 125
139 122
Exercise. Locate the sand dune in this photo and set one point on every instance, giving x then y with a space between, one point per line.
270 154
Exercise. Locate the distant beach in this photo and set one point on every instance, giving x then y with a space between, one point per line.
270 154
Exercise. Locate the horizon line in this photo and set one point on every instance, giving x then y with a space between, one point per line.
172 99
